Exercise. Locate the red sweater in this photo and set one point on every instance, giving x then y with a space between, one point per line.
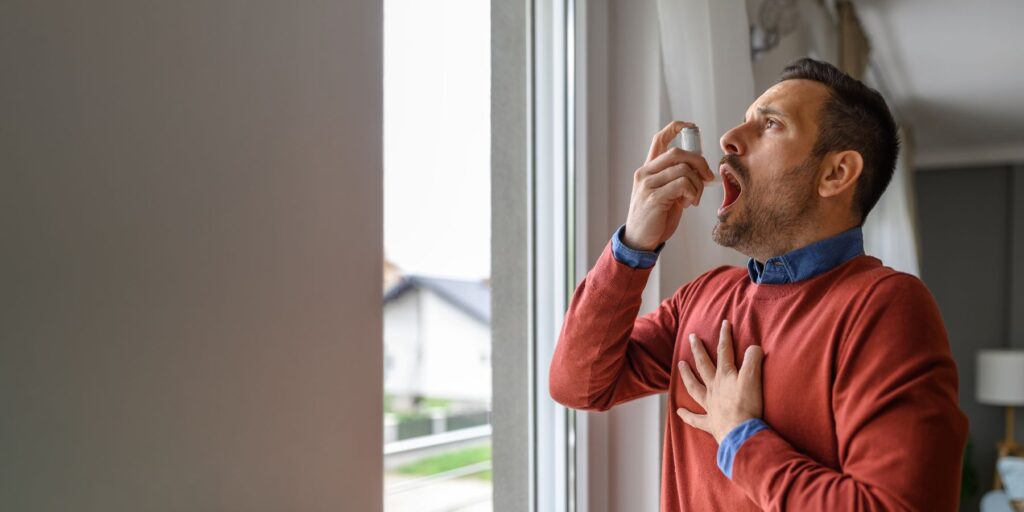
860 389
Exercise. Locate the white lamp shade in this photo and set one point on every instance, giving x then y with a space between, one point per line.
1000 377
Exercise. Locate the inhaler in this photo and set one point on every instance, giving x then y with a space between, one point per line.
690 139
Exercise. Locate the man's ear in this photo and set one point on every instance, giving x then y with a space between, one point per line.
840 173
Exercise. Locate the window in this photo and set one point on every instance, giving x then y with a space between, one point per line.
436 283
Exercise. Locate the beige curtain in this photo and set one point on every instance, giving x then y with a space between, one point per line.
854 48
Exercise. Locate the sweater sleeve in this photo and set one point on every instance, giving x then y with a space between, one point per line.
605 355
900 432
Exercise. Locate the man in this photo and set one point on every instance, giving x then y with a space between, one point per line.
846 396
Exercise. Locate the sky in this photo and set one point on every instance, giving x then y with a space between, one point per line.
437 137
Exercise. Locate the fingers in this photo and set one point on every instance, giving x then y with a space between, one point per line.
753 361
663 138
661 178
686 186
726 358
704 366
670 167
675 156
695 388
694 420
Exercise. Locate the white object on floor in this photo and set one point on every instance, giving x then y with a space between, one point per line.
1011 470
996 501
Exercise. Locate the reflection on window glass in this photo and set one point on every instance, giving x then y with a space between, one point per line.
436 282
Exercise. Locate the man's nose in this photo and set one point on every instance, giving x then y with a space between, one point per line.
732 143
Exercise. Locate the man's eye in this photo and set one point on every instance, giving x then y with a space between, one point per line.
769 123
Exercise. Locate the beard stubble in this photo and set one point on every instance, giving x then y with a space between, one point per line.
772 213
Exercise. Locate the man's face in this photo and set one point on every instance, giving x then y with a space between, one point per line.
768 171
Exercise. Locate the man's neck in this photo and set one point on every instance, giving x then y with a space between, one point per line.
802 240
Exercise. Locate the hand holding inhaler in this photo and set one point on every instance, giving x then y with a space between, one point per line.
670 180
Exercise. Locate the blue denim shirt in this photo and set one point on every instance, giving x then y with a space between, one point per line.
794 266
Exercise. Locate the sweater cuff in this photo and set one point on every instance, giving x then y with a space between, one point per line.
732 442
756 469
632 257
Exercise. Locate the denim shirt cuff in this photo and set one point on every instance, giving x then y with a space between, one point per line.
632 257
734 440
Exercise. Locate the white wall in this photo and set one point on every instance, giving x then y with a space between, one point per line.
457 352
402 343
437 350
191 221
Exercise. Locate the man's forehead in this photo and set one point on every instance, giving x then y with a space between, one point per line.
793 99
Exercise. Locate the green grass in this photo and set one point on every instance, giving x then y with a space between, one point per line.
449 461
435 402
426 404
410 416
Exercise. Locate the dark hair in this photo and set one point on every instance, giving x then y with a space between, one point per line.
855 117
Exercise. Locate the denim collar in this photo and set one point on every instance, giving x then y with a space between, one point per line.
808 261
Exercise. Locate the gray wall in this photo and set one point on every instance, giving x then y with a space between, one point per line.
190 213
971 231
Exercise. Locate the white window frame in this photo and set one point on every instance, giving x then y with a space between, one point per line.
546 120
534 192
553 241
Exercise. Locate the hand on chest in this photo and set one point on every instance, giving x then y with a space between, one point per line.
794 373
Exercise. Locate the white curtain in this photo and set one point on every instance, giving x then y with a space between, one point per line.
890 232
705 49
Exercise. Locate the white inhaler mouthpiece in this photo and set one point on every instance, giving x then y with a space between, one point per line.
690 137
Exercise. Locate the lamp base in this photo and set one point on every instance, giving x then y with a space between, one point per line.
1007 446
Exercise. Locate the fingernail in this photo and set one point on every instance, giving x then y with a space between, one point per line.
693 338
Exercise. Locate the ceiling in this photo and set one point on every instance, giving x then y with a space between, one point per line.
955 72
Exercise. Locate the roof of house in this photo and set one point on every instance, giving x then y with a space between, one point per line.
472 297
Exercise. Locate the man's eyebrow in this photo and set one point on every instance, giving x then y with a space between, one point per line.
767 111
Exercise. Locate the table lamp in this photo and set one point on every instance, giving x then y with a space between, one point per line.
1001 382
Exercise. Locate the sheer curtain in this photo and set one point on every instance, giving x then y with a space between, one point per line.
708 79
890 232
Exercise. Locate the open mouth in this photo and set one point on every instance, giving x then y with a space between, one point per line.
732 187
